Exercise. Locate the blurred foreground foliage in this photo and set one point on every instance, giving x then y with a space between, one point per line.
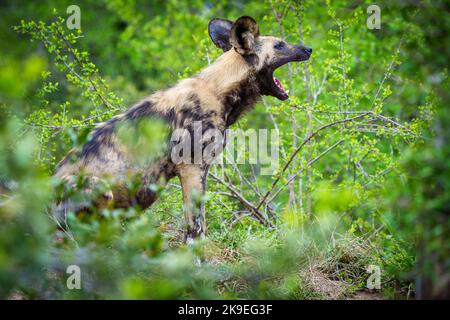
377 194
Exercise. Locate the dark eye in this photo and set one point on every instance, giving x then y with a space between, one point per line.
280 45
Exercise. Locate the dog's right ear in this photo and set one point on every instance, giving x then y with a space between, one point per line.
243 35
219 31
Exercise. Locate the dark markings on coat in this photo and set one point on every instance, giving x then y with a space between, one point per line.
241 99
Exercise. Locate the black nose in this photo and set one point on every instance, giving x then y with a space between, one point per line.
307 49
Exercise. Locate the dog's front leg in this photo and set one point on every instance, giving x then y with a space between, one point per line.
193 179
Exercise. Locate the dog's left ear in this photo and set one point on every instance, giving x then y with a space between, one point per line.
219 31
243 35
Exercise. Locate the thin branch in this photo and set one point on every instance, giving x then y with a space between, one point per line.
294 154
255 211
317 93
310 163
57 127
94 87
387 73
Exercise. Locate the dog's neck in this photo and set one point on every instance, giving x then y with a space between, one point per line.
222 75
232 79
240 99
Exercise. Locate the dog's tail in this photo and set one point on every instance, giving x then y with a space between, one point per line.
87 198
61 210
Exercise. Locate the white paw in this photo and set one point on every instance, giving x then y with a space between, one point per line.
189 241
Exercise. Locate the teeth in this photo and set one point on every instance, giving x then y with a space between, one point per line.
278 83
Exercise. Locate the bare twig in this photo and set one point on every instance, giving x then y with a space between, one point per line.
310 163
255 211
293 155
387 73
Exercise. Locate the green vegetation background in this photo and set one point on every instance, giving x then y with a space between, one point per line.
373 192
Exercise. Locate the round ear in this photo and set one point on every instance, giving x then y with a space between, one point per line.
219 32
243 34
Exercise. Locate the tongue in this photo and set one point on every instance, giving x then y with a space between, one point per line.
279 85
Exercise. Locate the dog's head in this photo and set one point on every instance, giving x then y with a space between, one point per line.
263 53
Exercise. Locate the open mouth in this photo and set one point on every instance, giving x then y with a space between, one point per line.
274 87
281 92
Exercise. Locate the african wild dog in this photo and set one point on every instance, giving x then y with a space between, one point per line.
217 97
